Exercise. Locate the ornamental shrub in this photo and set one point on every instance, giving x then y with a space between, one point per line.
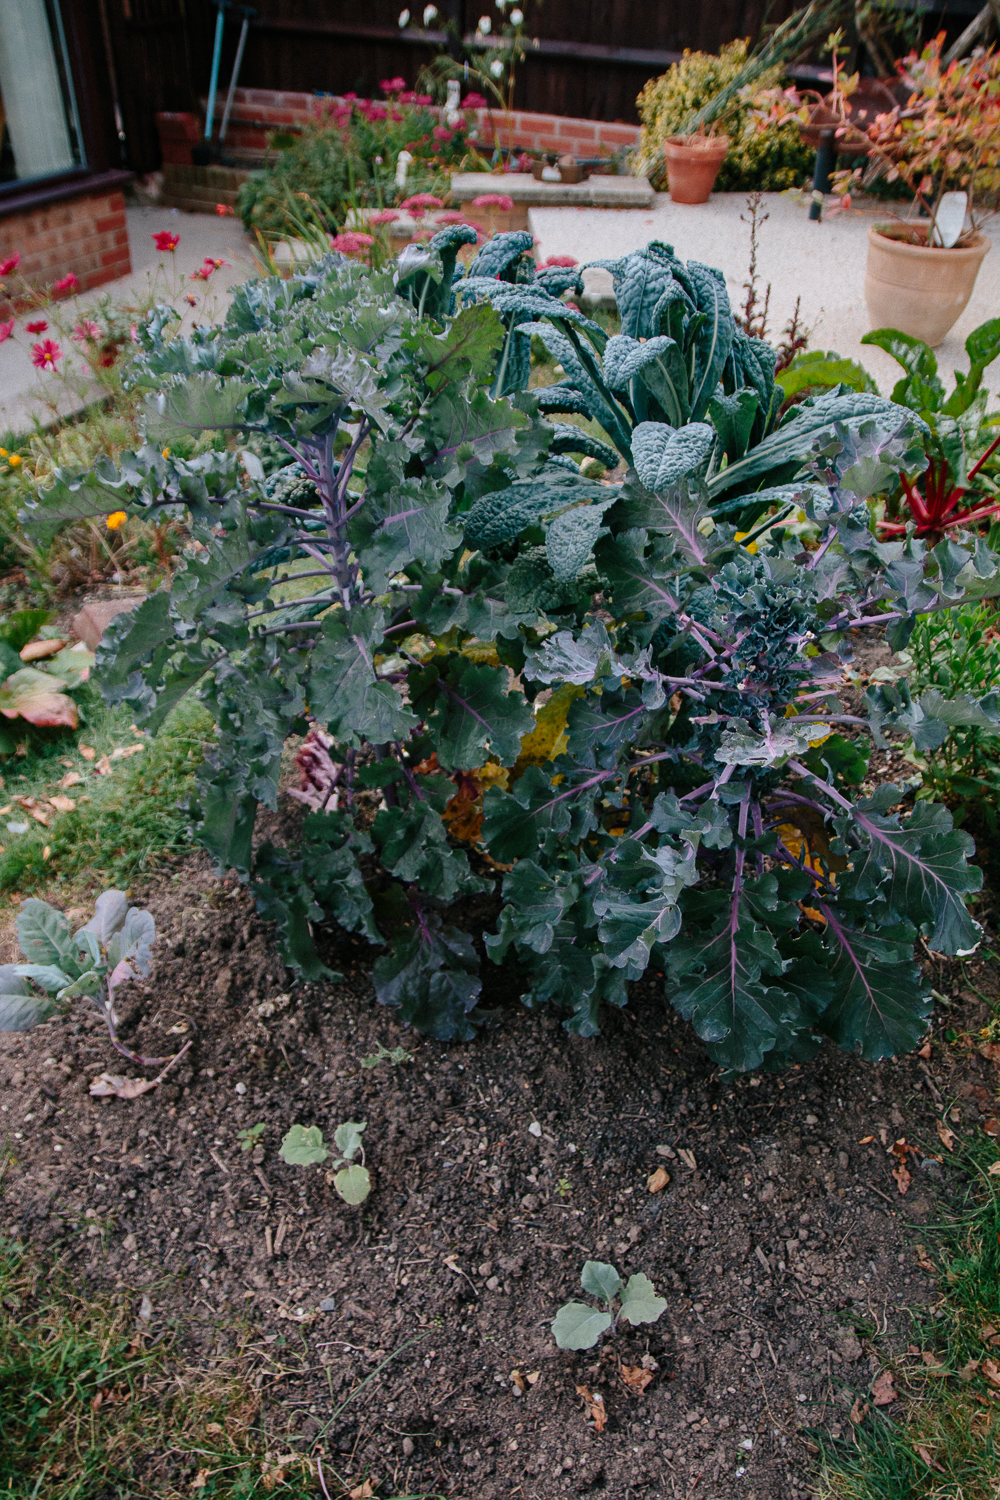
768 160
616 707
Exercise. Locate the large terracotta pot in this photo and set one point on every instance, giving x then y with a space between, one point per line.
693 163
920 289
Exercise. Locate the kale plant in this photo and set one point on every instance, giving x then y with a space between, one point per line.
304 1146
602 702
577 1325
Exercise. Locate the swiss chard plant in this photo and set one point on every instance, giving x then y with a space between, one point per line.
602 703
62 965
957 488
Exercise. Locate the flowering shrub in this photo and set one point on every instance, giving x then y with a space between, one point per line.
349 159
615 705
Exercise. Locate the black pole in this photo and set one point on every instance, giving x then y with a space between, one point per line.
826 158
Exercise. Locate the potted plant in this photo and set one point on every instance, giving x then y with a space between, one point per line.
693 163
944 144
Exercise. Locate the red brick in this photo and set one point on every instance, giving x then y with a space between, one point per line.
577 130
113 221
619 135
114 257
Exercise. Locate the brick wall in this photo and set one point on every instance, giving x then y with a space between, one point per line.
257 111
85 235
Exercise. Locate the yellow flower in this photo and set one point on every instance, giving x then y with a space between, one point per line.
116 520
14 460
3 452
739 537
166 453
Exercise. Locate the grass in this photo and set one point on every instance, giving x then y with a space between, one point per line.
123 822
945 1444
92 1407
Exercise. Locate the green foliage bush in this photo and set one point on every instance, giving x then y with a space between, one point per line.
318 165
763 160
613 705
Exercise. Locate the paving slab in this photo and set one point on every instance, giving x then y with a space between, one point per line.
28 396
598 191
823 263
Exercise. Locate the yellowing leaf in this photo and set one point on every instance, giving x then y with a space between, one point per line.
35 696
548 738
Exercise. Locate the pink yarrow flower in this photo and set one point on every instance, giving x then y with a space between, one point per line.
453 216
494 200
165 241
392 85
473 101
8 267
442 133
67 283
6 329
559 260
384 216
46 355
420 202
85 331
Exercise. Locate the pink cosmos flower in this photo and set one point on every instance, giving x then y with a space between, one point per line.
39 327
223 209
494 200
351 242
384 216
7 267
67 283
392 85
85 331
45 356
6 329
165 240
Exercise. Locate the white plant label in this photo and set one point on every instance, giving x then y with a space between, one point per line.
950 220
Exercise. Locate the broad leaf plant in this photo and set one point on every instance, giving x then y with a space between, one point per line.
617 707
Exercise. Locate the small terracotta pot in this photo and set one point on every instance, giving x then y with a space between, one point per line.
920 289
693 163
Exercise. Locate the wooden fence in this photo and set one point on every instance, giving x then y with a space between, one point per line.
592 59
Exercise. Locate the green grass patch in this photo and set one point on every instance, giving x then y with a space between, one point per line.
122 822
941 1440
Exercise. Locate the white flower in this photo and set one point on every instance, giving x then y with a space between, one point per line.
404 19
516 17
496 68
430 14
485 26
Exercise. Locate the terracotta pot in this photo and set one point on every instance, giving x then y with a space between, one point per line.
693 163
920 289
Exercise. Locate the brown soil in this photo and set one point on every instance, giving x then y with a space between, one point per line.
781 1241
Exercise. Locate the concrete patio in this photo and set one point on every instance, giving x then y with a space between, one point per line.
822 263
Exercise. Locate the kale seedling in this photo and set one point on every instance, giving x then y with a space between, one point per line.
248 1138
577 1325
304 1145
115 945
383 1054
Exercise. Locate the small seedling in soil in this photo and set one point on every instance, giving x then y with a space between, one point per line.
304 1145
248 1138
115 945
563 1187
383 1054
577 1325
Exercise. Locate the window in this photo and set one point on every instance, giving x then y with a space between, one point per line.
40 134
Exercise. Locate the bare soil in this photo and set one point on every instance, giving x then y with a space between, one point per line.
781 1241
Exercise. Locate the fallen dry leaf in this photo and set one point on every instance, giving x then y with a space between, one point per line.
992 1126
62 804
124 751
87 751
994 1170
903 1178
72 778
635 1377
687 1157
970 1368
595 1407
866 1140
519 1381
362 1491
103 767
533 1378
946 1136
991 1370
923 1260
38 650
214 1429
113 1085
883 1390
859 1411
925 1050
926 1456
990 1050
658 1180
934 1365
200 1479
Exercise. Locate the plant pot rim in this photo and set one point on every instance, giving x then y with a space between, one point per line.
700 142
978 246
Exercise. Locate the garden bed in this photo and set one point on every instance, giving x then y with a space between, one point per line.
781 1241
